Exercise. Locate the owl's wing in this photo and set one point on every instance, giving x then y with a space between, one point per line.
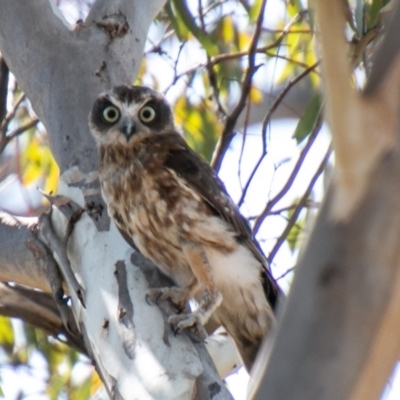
201 177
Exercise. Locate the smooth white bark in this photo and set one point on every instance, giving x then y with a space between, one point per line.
62 71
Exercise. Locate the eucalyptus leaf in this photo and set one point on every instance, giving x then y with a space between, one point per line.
308 119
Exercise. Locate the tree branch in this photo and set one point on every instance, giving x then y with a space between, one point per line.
266 121
299 207
228 131
340 322
4 72
38 309
18 263
291 179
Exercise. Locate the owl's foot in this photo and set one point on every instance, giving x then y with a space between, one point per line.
192 322
176 295
196 320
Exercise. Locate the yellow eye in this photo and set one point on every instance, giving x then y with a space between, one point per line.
147 114
111 114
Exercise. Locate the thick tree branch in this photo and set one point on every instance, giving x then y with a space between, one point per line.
342 318
18 263
58 86
38 309
363 128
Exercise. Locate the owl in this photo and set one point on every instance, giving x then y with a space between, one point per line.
170 203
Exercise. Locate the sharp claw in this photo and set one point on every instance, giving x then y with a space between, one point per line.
158 297
152 298
148 301
80 297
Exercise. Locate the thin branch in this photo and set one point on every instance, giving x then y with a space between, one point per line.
5 140
291 178
38 309
310 204
212 76
302 203
219 58
284 92
266 121
4 73
11 114
21 129
227 133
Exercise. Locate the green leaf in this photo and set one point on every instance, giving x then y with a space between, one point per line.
375 11
295 234
254 10
308 119
359 17
81 391
6 333
183 11
180 28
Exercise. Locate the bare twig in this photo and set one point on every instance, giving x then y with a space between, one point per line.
288 271
6 139
212 76
219 58
38 309
284 92
291 178
4 72
227 133
266 121
302 203
11 114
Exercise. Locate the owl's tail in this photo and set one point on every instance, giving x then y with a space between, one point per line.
248 295
248 318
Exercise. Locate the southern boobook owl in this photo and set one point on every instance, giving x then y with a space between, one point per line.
173 206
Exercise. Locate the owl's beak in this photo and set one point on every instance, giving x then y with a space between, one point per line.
129 128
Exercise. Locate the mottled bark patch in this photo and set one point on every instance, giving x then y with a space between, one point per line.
116 25
214 389
125 310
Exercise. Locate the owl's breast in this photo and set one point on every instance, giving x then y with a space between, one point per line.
150 206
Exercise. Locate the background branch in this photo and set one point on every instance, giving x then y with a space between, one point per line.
18 263
231 119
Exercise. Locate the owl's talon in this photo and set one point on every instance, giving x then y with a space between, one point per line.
148 301
176 331
177 296
191 322
153 296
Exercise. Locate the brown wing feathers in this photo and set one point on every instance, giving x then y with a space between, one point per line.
202 178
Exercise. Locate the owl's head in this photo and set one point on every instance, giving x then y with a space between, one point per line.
128 113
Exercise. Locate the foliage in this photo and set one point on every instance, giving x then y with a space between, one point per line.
217 61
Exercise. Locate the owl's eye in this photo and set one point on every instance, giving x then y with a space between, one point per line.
111 114
147 114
